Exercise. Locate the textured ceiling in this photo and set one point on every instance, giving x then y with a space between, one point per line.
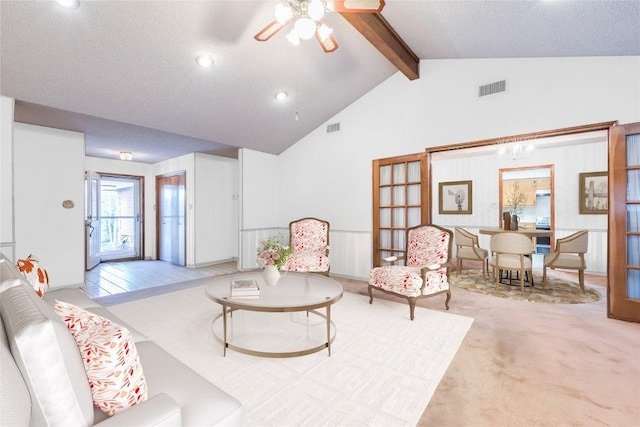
124 72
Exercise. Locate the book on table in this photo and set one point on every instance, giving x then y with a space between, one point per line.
245 289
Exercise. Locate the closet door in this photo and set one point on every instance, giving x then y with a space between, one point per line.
623 300
399 197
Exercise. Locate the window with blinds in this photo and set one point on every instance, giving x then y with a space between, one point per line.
399 185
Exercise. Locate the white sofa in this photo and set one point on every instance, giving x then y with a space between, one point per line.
43 380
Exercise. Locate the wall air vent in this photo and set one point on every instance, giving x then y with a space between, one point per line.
491 88
334 127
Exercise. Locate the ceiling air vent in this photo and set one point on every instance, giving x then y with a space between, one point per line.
491 88
334 127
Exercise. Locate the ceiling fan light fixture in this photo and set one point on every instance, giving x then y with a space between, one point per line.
315 10
305 27
324 32
283 13
293 37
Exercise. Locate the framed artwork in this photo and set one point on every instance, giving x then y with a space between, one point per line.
594 193
455 197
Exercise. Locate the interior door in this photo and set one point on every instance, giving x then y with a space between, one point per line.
171 224
92 219
623 296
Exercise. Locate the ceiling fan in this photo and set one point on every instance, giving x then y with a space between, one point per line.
307 15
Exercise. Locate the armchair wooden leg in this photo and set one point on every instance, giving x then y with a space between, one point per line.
544 276
412 306
446 302
581 279
370 295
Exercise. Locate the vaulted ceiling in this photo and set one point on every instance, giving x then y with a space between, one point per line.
124 72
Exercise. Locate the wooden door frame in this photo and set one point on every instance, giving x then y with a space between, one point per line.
619 306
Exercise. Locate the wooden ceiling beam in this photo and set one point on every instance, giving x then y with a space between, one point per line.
383 37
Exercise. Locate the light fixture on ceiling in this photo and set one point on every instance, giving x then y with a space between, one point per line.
126 155
307 19
204 60
516 149
69 4
281 96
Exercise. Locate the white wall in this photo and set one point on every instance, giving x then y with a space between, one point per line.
7 238
215 209
329 175
43 227
261 186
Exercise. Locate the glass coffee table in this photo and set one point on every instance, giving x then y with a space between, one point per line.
301 295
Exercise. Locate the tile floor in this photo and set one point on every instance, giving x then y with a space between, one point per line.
114 282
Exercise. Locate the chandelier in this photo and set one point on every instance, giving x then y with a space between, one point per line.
516 149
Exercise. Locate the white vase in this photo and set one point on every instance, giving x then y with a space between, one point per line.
271 275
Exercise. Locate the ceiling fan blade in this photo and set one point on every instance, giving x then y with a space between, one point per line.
356 6
269 31
329 44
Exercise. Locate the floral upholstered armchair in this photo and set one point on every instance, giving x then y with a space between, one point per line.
426 268
309 240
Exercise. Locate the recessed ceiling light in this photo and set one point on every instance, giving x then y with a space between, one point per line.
281 95
69 4
205 60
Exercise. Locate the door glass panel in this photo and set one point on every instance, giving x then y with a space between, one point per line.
413 171
385 175
413 217
633 184
398 173
633 218
413 194
398 217
385 217
398 195
398 238
633 250
385 196
633 287
385 238
633 150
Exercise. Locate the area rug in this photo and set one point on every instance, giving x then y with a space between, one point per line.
383 368
556 291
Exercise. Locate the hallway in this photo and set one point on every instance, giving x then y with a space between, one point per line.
117 282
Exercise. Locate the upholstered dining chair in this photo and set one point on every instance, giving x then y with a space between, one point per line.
568 255
426 268
309 239
467 247
511 253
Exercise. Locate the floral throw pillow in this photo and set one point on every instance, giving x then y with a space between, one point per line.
110 358
35 275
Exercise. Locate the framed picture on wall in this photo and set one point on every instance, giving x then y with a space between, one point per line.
594 193
455 197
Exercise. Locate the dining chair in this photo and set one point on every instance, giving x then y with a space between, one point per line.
425 270
467 248
511 253
568 255
309 240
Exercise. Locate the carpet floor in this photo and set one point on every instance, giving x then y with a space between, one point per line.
383 369
556 290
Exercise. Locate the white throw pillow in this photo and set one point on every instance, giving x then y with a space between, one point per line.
110 358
